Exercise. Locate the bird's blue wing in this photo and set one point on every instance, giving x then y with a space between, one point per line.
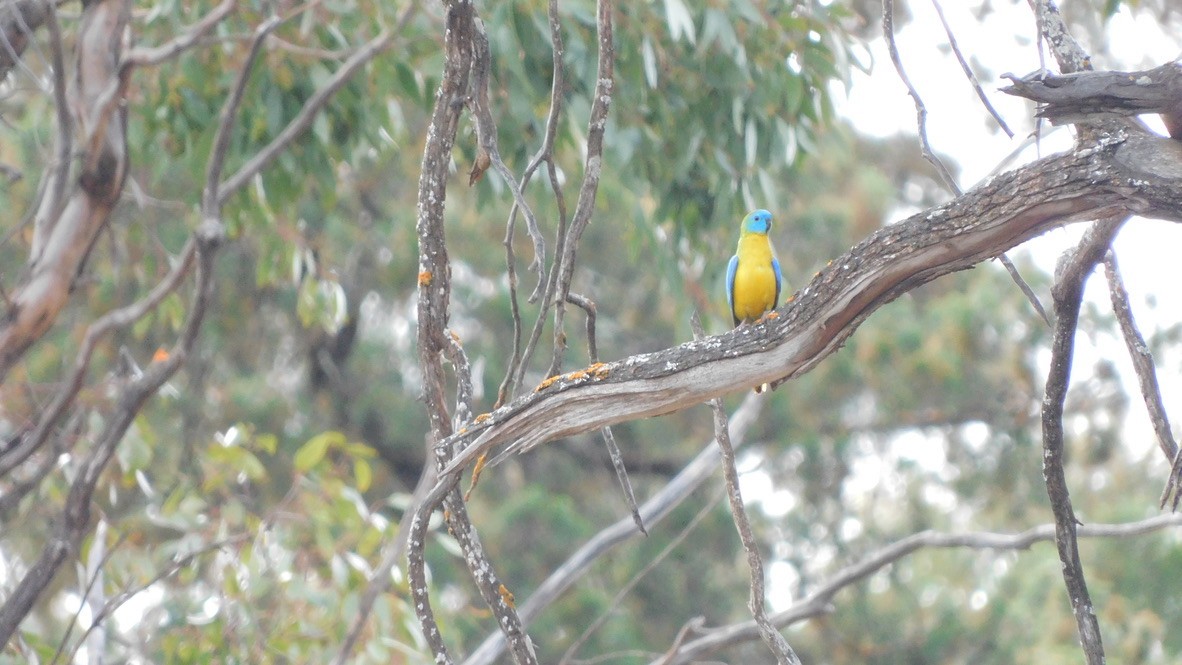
731 268
779 281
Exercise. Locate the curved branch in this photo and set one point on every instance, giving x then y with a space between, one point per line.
817 602
1128 174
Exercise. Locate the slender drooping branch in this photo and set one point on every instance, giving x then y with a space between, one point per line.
756 601
818 601
1068 295
921 121
1143 366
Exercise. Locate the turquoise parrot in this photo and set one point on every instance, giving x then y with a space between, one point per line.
753 277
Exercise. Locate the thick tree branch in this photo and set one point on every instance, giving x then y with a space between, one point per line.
1091 95
1134 174
61 243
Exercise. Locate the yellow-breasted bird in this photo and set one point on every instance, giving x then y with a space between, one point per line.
753 277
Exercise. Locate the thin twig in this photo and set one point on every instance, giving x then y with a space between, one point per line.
631 584
1146 373
921 111
514 372
968 71
592 168
756 602
313 106
921 119
1068 293
818 601
210 200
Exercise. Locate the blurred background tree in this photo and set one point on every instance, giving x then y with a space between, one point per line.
294 435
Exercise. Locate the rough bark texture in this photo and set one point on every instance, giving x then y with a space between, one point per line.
1091 95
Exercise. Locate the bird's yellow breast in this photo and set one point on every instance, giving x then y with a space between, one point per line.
755 280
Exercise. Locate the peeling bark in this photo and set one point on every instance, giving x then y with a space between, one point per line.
62 242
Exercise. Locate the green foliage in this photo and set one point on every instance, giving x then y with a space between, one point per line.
295 434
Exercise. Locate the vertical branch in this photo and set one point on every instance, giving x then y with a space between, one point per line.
1068 293
585 206
1146 374
756 602
772 637
433 340
545 288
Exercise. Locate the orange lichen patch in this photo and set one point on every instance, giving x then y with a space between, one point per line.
599 371
462 430
482 418
454 336
577 375
770 316
161 355
791 298
476 470
425 278
506 596
546 384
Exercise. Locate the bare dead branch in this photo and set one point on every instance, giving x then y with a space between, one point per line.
968 72
486 133
653 511
460 43
1085 96
616 600
1070 277
921 111
515 370
921 119
818 601
756 602
1143 365
593 165
210 200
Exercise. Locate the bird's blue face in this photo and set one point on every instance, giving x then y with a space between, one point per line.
759 221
